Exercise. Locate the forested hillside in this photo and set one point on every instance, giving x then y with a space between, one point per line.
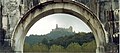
79 42
33 39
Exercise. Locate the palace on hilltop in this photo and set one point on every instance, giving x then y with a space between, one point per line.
70 29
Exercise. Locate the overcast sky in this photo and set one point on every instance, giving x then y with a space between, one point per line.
46 24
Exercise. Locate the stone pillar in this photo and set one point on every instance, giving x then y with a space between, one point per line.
2 36
1 33
25 6
100 49
13 14
98 9
5 20
119 23
0 15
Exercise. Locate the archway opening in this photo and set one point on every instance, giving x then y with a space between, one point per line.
60 33
48 8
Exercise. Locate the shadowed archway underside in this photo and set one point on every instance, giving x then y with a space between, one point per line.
47 8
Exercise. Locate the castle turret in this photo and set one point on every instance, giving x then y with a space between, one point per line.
56 26
71 29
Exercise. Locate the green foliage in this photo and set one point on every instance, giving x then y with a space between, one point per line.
45 41
57 34
89 47
33 39
57 48
82 33
73 47
26 47
40 48
77 38
79 42
35 48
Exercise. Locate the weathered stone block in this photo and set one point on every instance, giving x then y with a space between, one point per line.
67 0
43 1
50 0
57 0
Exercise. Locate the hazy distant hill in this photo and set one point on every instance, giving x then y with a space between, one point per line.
79 42
76 38
57 34
60 40
54 34
60 36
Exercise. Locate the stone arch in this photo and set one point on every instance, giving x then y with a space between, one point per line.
73 8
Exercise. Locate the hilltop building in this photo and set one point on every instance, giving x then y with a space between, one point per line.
70 29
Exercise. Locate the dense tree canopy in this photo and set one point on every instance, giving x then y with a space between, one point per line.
79 42
74 47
